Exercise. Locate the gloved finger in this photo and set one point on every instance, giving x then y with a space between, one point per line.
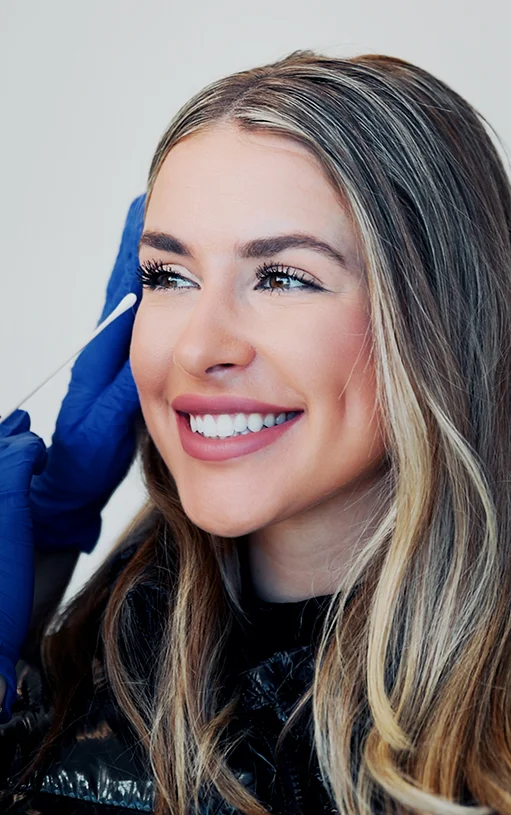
128 283
118 404
103 358
21 456
123 278
17 422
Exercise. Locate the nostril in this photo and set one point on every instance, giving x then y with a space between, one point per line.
220 366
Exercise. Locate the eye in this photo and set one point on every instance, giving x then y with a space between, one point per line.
284 278
273 277
156 275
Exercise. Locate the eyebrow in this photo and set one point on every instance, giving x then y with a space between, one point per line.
260 247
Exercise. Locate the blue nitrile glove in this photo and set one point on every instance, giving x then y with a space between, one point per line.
94 441
22 453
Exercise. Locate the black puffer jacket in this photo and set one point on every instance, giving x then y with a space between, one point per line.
99 769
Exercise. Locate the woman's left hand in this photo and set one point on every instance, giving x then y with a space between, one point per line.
95 436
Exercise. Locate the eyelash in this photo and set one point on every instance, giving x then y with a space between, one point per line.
149 272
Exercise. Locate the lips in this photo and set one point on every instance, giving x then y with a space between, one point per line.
217 449
198 404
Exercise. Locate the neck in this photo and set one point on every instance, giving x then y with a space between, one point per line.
309 555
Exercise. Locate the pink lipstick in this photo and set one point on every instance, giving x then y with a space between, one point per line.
233 446
195 403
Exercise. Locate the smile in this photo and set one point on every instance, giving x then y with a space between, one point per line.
226 426
218 437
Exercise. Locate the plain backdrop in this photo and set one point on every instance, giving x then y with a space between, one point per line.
86 89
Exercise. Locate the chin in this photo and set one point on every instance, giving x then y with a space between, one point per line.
226 527
223 530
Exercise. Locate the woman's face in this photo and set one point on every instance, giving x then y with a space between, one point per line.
215 339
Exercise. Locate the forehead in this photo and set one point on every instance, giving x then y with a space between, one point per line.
228 184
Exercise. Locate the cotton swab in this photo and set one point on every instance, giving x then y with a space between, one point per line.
126 303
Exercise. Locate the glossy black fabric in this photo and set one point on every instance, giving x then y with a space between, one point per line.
99 769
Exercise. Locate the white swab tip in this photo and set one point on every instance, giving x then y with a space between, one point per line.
129 300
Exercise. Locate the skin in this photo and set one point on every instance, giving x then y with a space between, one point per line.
303 501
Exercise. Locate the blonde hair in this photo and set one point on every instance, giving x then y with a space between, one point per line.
411 697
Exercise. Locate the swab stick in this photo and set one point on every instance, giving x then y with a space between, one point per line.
126 303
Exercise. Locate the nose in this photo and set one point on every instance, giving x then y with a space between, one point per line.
212 338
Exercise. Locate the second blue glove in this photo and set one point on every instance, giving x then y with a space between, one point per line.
22 453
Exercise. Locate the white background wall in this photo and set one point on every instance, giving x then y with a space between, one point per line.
86 89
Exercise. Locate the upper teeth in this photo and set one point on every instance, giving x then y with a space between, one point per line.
224 425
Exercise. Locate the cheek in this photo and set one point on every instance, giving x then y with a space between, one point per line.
342 381
337 361
150 354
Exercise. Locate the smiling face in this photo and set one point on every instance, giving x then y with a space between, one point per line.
212 326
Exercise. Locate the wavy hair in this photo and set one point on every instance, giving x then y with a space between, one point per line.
411 698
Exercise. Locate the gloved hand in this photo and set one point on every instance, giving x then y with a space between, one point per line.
21 454
94 441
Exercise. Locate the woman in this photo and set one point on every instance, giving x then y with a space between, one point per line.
313 612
